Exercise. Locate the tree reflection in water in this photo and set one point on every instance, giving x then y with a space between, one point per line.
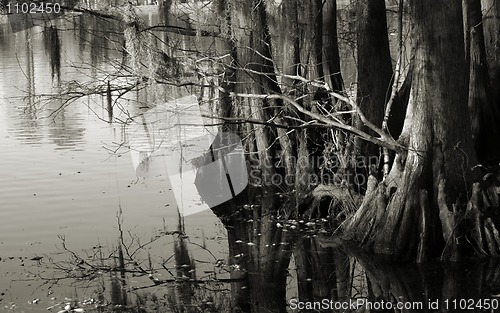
344 273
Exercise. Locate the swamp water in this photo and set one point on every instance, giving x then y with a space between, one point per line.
64 177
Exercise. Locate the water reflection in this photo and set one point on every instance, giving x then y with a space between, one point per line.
52 45
65 129
327 278
326 270
29 123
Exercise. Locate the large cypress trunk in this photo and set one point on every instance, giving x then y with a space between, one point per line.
427 183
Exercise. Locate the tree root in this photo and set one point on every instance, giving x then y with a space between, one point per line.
342 199
482 211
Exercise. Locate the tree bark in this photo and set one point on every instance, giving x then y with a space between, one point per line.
438 147
484 114
374 68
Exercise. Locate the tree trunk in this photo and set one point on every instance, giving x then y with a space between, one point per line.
252 229
484 114
331 46
439 150
491 22
374 68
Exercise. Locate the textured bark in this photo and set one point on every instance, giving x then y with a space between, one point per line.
434 133
482 217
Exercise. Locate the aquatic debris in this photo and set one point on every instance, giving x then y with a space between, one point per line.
89 301
155 280
219 263
53 306
69 308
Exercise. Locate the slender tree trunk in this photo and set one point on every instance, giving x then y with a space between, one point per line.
374 68
251 217
491 22
331 46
